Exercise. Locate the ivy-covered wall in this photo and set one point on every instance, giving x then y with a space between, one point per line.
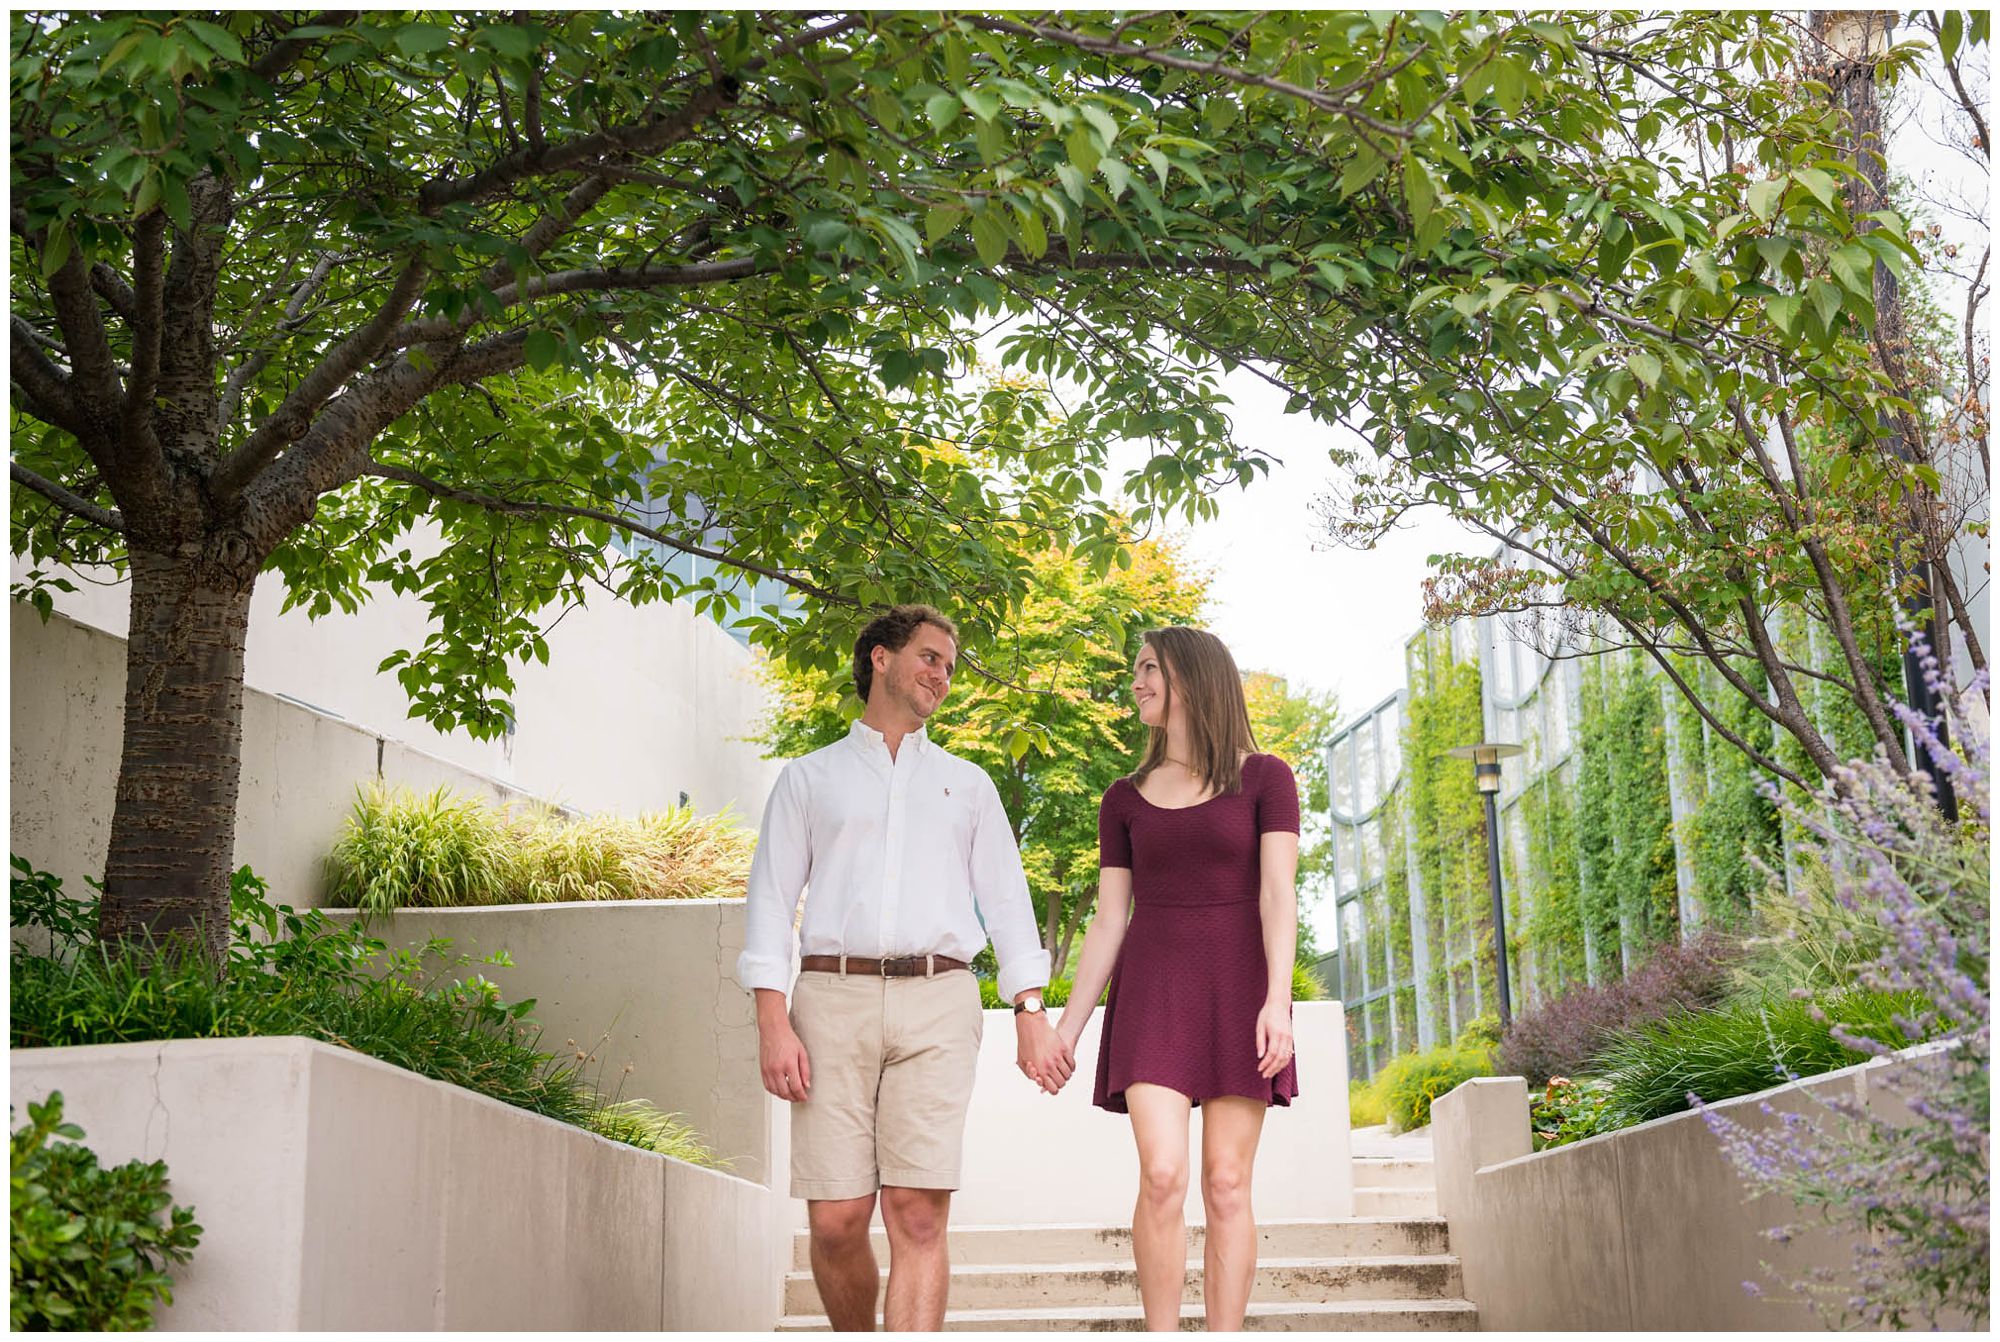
1629 821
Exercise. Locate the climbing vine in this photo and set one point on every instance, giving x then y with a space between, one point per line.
1445 819
1624 818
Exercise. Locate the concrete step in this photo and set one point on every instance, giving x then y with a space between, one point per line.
1395 1202
1371 1316
1394 1173
1281 1280
1353 1238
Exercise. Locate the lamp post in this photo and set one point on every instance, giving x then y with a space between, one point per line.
1486 757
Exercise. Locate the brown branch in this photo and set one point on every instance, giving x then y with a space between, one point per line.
286 52
113 289
290 421
578 281
147 321
44 388
69 501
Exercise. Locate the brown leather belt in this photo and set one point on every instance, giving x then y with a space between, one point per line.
910 966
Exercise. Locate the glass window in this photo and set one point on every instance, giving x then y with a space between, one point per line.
1346 879
1465 640
1371 850
1392 745
1367 782
1343 776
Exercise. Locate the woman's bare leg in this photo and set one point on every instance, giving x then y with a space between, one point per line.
1230 1127
1159 1227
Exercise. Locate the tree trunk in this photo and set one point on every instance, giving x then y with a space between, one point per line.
173 830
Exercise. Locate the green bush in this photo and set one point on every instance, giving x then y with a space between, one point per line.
1568 1111
1739 1049
1411 1081
89 1249
293 973
1367 1107
441 850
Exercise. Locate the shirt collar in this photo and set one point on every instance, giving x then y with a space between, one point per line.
876 746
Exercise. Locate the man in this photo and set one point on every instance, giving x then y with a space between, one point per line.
911 863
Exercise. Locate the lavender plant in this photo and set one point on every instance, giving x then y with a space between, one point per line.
1907 1183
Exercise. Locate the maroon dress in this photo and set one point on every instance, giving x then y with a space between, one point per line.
1191 972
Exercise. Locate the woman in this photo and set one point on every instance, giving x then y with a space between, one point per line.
1196 926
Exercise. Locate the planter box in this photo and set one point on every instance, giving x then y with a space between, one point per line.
649 983
1644 1228
338 1192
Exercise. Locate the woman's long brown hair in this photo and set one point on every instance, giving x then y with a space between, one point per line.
1202 675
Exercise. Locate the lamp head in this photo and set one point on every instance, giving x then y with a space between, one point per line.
1485 757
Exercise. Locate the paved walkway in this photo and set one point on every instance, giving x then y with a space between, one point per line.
1379 1143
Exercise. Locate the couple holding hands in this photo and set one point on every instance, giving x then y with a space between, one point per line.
912 865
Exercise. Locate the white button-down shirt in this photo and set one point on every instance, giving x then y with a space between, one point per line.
910 856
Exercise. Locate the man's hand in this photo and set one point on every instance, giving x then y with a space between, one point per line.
1043 1056
781 1055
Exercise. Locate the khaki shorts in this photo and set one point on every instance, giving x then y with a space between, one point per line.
892 1063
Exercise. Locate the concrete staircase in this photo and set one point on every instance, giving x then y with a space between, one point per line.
1370 1273
1394 1186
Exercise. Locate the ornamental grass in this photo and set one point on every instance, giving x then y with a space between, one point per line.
445 850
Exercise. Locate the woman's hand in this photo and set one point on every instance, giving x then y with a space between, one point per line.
1274 1038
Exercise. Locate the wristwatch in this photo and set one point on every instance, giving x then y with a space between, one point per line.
1028 1006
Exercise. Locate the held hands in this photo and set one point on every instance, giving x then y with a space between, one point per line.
1274 1038
1045 1057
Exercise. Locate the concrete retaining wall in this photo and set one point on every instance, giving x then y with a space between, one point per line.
338 1192
1644 1228
648 983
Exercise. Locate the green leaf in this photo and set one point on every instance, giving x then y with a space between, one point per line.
989 237
57 251
543 349
942 109
1825 299
1855 265
217 39
1117 176
1819 182
1763 197
1784 312
981 104
1418 190
1034 236
940 220
1645 366
419 39
1073 182
174 199
1082 149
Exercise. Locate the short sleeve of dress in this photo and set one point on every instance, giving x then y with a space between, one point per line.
1114 839
1277 798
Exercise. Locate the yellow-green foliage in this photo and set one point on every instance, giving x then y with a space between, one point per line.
400 850
1412 1081
1367 1107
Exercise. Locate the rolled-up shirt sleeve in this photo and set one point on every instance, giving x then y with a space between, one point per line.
778 875
1000 889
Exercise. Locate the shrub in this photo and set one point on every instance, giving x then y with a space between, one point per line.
90 1248
1367 1107
1568 1111
1910 1190
1411 1081
293 973
1724 1052
399 850
1562 1037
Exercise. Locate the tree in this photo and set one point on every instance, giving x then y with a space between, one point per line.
1298 726
1053 727
283 286
1654 369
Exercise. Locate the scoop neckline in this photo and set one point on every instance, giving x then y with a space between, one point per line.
1195 805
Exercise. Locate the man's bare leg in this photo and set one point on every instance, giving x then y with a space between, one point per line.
919 1258
843 1261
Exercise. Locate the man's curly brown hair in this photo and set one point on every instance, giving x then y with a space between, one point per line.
893 630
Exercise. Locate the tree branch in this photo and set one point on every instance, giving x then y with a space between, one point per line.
43 386
147 322
286 52
289 422
72 503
